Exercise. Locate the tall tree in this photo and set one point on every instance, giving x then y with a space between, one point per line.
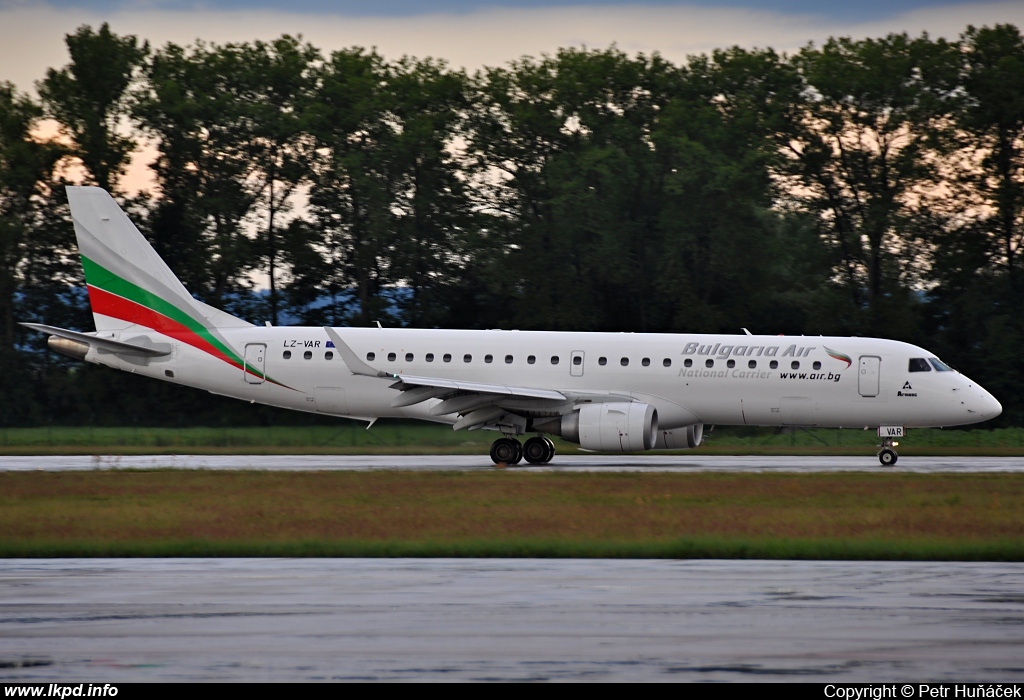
857 151
89 98
431 206
728 259
564 145
195 103
31 247
345 247
993 115
281 84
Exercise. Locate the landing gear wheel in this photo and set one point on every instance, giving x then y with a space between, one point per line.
887 457
506 451
538 450
551 448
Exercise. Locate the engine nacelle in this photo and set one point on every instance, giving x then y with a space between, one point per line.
680 438
612 427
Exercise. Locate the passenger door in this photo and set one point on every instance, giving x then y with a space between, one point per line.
868 375
254 360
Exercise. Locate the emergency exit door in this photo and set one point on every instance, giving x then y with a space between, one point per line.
254 362
868 375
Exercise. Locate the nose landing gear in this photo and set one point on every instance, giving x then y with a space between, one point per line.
887 456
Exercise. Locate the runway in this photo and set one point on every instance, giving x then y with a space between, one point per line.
509 620
562 463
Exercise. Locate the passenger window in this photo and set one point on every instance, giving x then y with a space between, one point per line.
288 355
488 359
467 358
554 359
369 356
667 362
709 363
624 361
730 364
939 365
577 360
429 357
508 359
602 361
532 359
308 355
391 357
646 362
408 357
816 365
794 365
328 355
919 364
752 364
774 364
447 357
687 362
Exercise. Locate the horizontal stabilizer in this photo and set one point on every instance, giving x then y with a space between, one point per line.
114 346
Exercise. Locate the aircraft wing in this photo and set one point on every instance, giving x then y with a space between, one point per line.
406 382
479 403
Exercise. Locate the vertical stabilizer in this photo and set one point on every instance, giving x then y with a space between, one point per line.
128 282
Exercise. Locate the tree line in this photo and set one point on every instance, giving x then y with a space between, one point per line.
860 187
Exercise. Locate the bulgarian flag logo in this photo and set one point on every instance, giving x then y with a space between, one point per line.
839 356
116 297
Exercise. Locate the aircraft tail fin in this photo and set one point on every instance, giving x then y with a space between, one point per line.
128 282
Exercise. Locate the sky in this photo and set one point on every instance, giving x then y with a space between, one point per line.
471 34
476 33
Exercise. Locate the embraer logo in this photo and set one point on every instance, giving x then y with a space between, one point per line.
907 390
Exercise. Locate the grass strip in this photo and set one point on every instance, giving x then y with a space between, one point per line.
967 517
684 548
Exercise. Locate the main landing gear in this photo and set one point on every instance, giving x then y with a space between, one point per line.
887 456
537 450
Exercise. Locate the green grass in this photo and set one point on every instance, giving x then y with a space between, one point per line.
510 514
397 437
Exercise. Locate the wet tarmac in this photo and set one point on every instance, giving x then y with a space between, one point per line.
562 463
509 620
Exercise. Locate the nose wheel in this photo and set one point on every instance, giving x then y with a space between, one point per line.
887 456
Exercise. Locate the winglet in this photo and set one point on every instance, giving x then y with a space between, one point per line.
354 364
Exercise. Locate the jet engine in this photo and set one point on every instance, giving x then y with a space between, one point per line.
680 438
612 427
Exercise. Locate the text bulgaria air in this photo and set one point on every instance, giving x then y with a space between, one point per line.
723 352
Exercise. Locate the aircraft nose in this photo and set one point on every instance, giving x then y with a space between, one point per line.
990 407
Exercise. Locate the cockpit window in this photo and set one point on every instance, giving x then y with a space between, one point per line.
919 364
939 365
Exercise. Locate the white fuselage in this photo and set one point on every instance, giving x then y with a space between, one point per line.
688 378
